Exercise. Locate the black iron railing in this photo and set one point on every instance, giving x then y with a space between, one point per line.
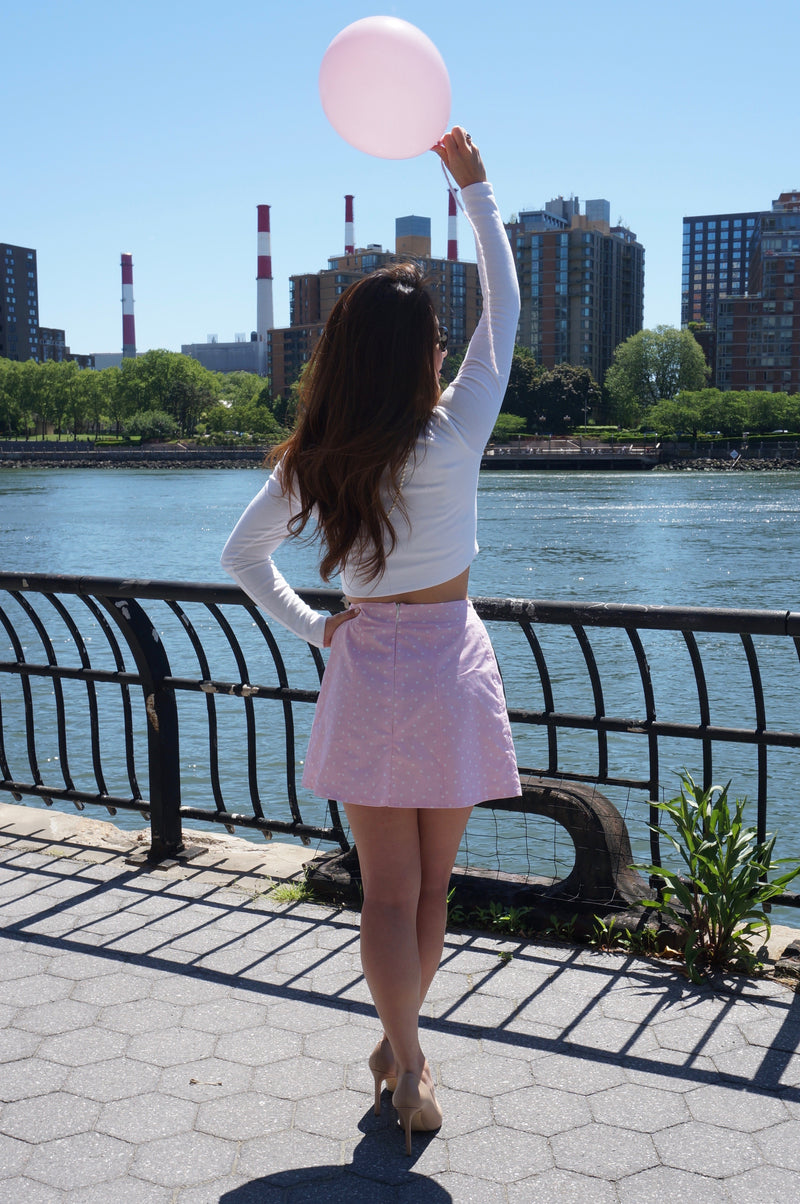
98 673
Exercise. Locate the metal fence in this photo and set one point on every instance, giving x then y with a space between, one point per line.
97 674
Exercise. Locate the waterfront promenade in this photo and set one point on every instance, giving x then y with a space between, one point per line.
177 1035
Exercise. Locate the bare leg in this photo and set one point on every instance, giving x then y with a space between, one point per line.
406 857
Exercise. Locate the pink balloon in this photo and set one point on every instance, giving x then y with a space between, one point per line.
385 88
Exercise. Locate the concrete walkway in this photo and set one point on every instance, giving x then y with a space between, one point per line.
176 1035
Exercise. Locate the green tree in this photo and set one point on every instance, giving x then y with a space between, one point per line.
652 366
563 395
507 426
151 424
519 395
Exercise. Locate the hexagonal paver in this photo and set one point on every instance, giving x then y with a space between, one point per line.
15 1045
503 1155
732 1108
60 1017
208 1078
78 1048
311 1158
779 1145
116 1078
146 1117
644 1109
254 1115
79 1161
543 1110
581 1075
485 1075
34 990
666 1183
171 1047
47 1117
763 1183
36 1076
562 1187
259 1046
110 989
224 1016
14 1155
696 1036
606 1151
139 1016
297 1078
719 1152
185 1159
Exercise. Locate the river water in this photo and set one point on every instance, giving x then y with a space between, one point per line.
689 538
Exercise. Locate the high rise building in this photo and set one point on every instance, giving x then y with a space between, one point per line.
19 303
453 286
581 283
758 334
716 262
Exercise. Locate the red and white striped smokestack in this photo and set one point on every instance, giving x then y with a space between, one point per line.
264 318
452 231
349 228
128 326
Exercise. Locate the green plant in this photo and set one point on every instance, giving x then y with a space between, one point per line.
505 956
607 935
293 892
561 930
720 900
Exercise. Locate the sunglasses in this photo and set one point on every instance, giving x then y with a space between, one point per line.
441 341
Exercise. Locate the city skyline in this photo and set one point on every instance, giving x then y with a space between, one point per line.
160 137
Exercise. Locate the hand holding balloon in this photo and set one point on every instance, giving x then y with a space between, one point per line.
461 157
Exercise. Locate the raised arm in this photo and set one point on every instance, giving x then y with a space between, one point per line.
473 400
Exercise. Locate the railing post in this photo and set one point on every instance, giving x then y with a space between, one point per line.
163 744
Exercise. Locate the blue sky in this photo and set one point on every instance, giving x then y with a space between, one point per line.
157 128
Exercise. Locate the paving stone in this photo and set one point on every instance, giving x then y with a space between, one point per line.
30 1192
733 1108
24 1079
300 1161
770 1069
301 1017
139 1016
79 1161
146 1117
14 1154
123 1191
581 1075
110 988
259 1046
46 1117
15 1044
644 1109
116 1078
63 1016
297 1078
21 963
780 1145
503 1155
485 1075
207 1078
251 1114
33 989
463 1112
718 1152
664 1183
232 1190
697 1036
607 1151
184 1159
543 1110
170 1047
563 1187
463 1189
768 1183
224 1016
78 1048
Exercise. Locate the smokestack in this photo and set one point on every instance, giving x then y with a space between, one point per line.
452 232
349 231
264 318
128 326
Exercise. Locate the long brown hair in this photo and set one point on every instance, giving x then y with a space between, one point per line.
365 396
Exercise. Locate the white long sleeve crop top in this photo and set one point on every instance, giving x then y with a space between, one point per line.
440 488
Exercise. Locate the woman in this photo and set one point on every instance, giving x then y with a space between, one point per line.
411 729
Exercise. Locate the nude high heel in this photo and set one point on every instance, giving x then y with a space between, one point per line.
416 1106
381 1063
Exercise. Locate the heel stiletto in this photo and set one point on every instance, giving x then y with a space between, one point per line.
416 1106
381 1063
